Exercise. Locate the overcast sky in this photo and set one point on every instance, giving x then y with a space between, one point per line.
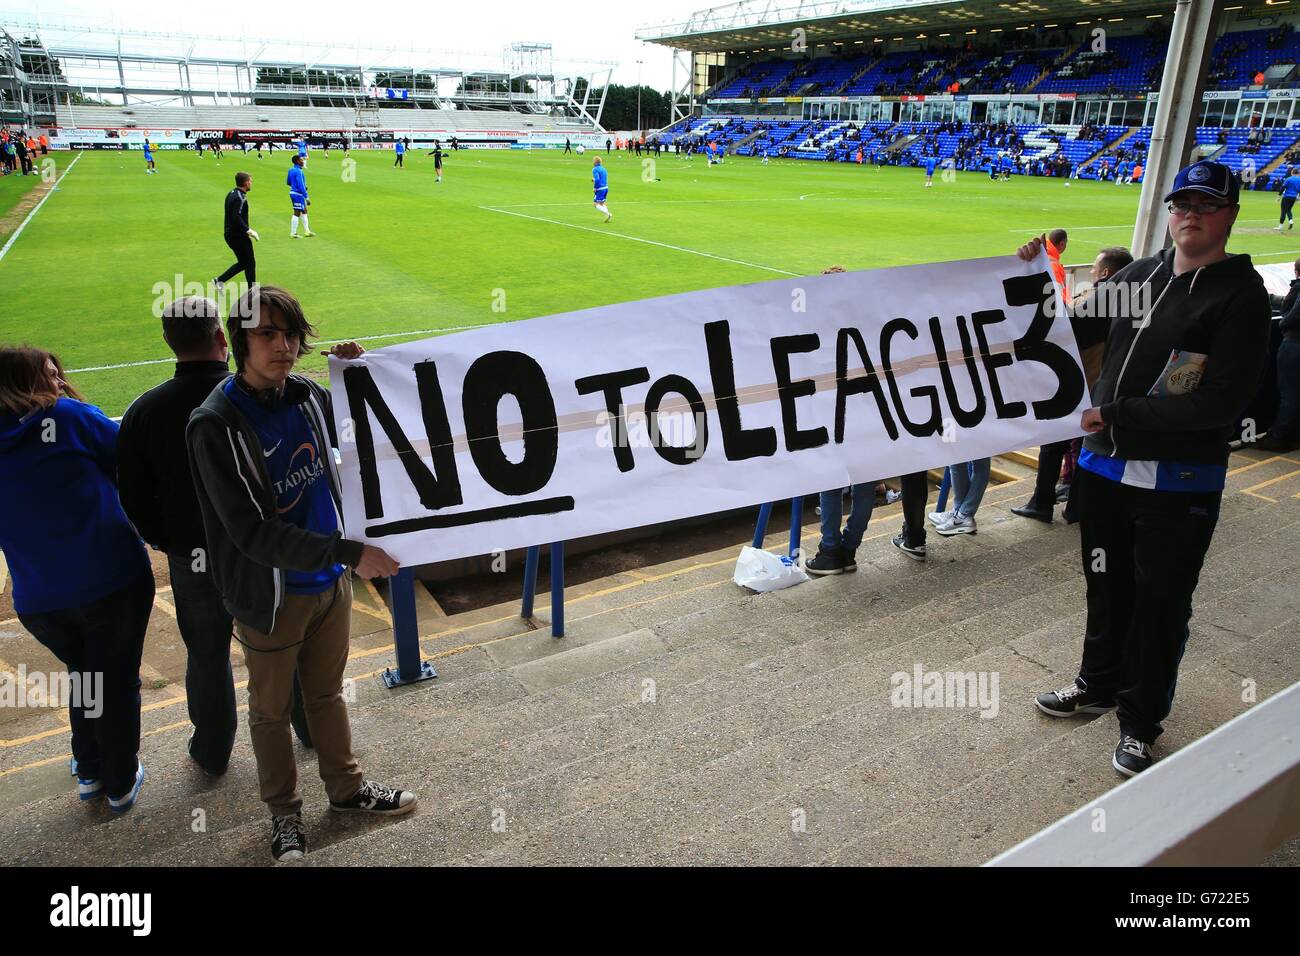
578 29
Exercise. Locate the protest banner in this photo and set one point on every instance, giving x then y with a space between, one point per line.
586 422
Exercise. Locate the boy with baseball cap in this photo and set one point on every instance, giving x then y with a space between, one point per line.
1185 351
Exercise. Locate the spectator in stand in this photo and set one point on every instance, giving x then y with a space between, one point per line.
1057 240
1284 430
1052 485
82 584
157 492
279 558
1154 466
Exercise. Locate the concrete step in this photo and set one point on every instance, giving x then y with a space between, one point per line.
628 814
566 716
756 697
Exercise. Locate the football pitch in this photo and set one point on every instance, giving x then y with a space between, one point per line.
505 236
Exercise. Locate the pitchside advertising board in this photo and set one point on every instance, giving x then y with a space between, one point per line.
588 422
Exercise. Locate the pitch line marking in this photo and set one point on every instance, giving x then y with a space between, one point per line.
648 242
37 208
359 338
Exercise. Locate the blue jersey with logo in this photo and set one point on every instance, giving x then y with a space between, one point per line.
299 476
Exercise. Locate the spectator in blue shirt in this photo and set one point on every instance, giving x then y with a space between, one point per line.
83 585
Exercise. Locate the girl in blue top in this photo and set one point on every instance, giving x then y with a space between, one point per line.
83 584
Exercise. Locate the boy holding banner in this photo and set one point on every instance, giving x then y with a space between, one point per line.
1175 376
262 456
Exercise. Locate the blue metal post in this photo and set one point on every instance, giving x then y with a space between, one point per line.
760 529
530 579
796 523
406 633
943 490
557 589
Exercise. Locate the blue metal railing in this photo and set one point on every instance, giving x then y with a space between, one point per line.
796 524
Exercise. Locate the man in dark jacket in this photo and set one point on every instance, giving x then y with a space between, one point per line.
262 456
1284 431
157 493
1186 341
238 234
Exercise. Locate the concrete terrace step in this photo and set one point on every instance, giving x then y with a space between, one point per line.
608 773
764 705
173 780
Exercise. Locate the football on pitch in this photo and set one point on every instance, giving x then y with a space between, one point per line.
580 149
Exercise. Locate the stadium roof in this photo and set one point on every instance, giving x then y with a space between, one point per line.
95 38
752 25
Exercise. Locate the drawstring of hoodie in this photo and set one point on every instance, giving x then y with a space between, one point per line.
1194 278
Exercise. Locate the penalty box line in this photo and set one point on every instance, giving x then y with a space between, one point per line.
648 242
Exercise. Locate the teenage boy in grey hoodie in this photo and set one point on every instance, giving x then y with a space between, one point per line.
262 456
1178 370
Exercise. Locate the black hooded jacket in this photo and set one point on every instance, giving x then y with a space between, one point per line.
1221 311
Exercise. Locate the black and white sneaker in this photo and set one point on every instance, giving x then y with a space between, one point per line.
1072 700
1132 756
376 798
825 563
914 551
288 838
850 559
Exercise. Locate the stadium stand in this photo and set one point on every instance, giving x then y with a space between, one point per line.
315 117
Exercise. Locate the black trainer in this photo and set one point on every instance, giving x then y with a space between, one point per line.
825 562
914 551
850 558
288 838
1062 494
1071 700
376 798
1132 756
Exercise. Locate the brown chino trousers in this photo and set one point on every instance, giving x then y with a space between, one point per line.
310 636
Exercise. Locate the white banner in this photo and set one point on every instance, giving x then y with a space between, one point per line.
512 435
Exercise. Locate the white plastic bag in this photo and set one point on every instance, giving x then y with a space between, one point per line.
763 571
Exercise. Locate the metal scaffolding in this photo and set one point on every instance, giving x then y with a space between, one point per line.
42 66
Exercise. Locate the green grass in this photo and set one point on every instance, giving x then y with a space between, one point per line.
12 190
397 253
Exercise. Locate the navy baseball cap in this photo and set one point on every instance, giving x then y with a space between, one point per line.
1211 178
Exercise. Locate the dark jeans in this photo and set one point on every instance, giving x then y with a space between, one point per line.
1286 213
1142 556
1287 422
242 247
104 639
916 492
206 628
